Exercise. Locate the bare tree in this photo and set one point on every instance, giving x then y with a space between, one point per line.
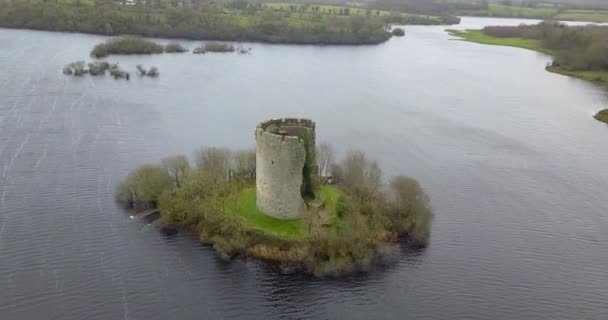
244 164
359 175
214 160
176 166
325 158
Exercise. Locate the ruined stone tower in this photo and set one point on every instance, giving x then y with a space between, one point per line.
285 166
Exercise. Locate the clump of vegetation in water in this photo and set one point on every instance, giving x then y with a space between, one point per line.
118 73
398 32
77 69
602 116
215 198
126 45
152 73
214 47
98 68
80 68
175 47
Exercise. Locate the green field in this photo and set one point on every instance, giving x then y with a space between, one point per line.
338 10
584 15
499 10
253 218
478 36
323 9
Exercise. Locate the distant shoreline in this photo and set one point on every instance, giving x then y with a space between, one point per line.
258 23
477 36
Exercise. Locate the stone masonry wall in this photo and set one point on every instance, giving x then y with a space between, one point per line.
280 157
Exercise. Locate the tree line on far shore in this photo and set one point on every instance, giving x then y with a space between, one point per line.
577 48
203 21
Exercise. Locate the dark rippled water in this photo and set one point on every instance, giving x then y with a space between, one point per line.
510 155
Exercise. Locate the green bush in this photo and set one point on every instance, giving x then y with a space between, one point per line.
398 32
126 45
143 186
409 208
175 48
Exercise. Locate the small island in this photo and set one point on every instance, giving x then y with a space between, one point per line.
214 47
287 202
399 32
602 116
127 45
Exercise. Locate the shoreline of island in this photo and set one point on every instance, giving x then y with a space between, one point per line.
286 202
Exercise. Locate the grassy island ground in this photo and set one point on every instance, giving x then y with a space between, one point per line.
602 116
223 21
244 207
578 51
345 228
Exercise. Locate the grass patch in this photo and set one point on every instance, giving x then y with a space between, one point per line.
602 116
597 76
246 209
478 36
584 15
331 195
499 10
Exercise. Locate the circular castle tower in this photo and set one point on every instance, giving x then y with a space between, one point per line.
285 166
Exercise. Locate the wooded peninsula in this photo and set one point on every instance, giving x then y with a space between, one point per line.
578 51
231 21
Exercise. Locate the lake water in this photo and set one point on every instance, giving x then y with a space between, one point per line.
510 155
